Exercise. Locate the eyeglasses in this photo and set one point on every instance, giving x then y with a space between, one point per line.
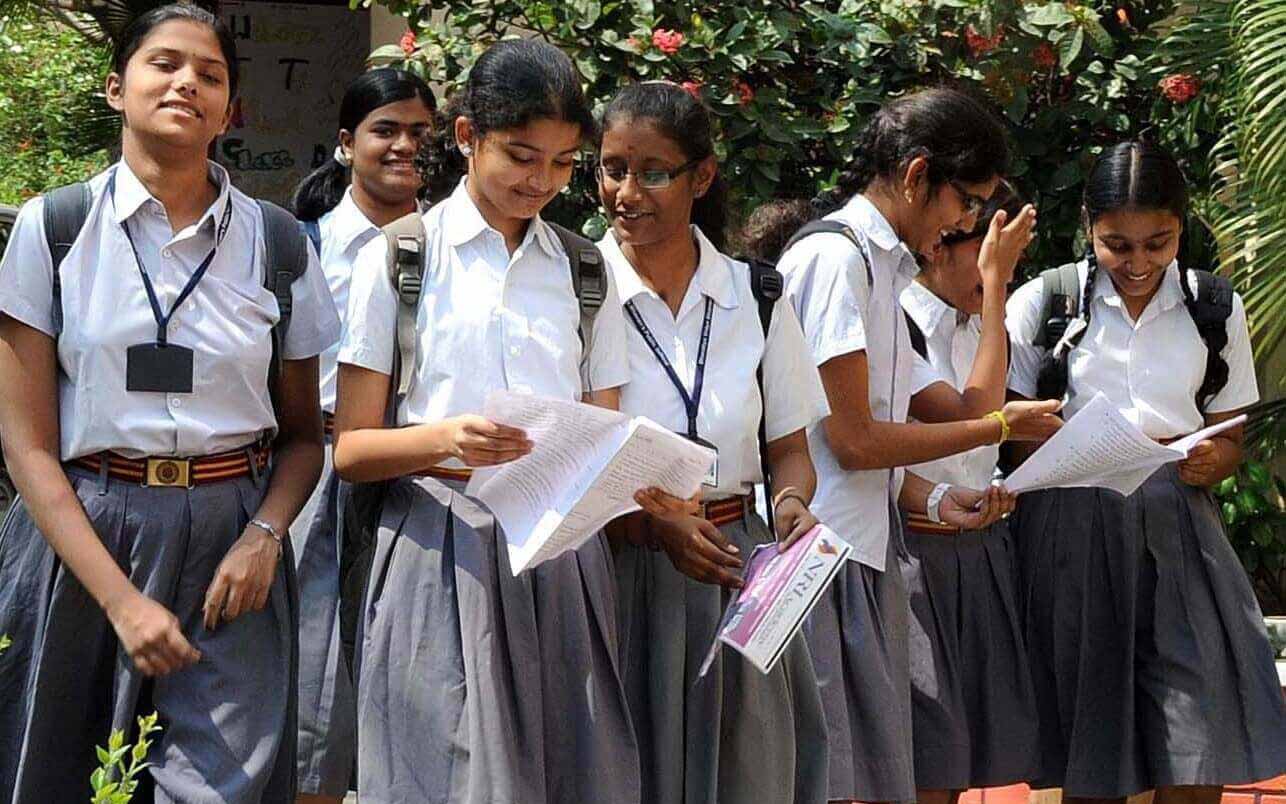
973 204
651 179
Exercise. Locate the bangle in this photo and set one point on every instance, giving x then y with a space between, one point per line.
934 500
270 530
999 416
789 491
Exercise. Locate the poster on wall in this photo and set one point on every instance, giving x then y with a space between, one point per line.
296 59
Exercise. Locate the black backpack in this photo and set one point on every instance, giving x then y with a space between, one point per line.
67 208
1210 307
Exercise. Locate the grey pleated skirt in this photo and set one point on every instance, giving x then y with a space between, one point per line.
1149 653
735 735
327 702
973 708
228 721
857 635
477 687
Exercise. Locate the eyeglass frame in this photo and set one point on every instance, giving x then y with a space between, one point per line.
974 205
601 174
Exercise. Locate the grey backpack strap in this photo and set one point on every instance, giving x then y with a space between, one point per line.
1210 305
285 260
405 240
66 210
1060 302
825 226
589 277
767 285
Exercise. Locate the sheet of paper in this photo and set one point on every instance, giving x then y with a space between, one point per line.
780 590
1186 443
1100 447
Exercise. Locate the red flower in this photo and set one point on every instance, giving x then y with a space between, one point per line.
1180 87
408 42
1044 56
693 88
979 44
745 92
667 41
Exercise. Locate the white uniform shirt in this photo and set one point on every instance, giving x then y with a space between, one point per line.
226 321
842 313
1150 368
730 404
951 339
344 230
486 320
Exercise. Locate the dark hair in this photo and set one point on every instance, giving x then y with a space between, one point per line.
132 37
322 189
770 227
958 135
687 123
1135 175
512 83
1004 198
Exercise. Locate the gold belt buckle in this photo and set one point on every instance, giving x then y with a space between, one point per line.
168 472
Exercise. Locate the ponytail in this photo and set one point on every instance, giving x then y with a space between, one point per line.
320 191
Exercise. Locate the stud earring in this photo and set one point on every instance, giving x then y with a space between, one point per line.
466 150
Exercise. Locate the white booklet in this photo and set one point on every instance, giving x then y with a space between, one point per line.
585 465
780 590
1100 447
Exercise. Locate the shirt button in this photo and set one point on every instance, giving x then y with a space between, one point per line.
175 402
514 350
166 253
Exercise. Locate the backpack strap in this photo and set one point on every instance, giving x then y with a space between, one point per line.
405 240
312 229
65 211
1210 307
767 286
1060 305
826 226
285 260
589 279
918 341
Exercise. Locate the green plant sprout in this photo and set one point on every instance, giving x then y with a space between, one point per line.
114 782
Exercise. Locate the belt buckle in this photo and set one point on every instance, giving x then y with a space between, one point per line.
169 472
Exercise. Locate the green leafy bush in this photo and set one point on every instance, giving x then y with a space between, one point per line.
1251 504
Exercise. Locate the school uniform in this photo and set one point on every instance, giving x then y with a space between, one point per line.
475 685
858 632
1149 654
734 735
327 702
228 721
973 709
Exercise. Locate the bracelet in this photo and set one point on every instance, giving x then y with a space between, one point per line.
789 491
934 500
270 530
1004 424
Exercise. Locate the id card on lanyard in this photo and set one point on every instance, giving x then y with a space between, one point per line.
691 402
160 366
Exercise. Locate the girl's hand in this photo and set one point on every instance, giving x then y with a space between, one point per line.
1032 421
243 579
698 550
664 505
1004 245
1203 466
793 519
478 441
151 635
969 509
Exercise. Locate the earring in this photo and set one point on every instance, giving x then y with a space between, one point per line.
466 151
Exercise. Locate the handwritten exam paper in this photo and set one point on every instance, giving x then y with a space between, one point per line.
780 590
1100 447
585 465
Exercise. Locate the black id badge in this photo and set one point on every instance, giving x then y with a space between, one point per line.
160 367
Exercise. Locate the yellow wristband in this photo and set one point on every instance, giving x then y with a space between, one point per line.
1004 424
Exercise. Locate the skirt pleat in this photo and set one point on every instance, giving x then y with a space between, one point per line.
1149 653
734 735
477 686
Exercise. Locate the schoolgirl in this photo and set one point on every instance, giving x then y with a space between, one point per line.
475 685
1149 654
696 342
371 181
145 565
926 165
973 710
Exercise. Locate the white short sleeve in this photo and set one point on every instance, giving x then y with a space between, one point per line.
371 321
795 396
314 323
826 282
608 363
1022 319
923 374
1242 389
27 271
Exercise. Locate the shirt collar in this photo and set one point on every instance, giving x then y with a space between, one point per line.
465 222
1169 292
713 277
863 215
130 194
927 310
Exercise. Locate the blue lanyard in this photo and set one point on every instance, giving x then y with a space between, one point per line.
163 319
692 402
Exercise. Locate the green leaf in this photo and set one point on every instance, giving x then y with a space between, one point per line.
1230 513
104 758
1259 474
1050 14
1066 176
1262 533
1069 48
770 170
1100 39
1017 108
